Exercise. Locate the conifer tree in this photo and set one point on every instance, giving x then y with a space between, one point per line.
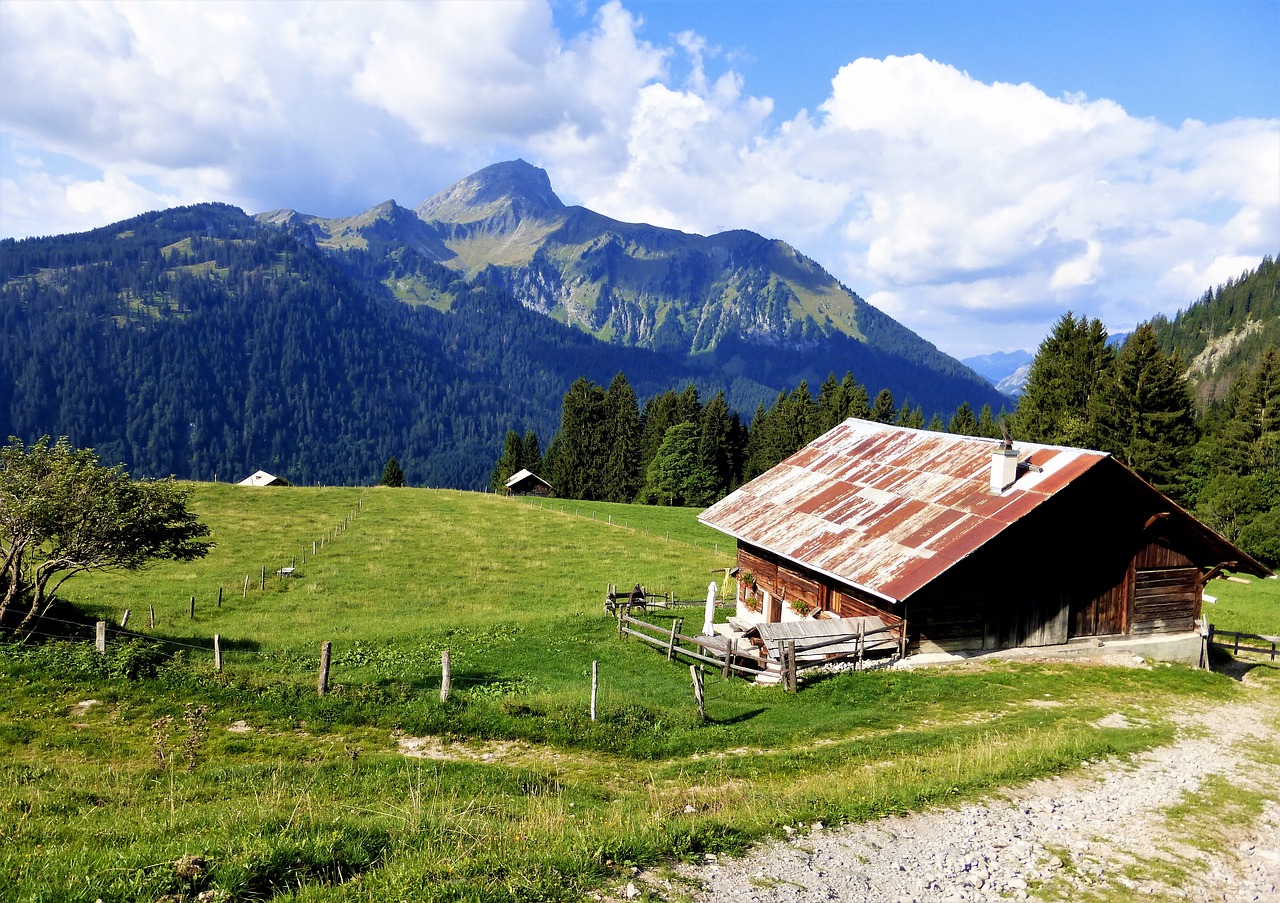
963 423
714 452
392 474
1066 374
882 410
579 450
620 479
1143 413
531 453
508 463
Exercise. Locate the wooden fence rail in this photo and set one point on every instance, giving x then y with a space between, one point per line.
1234 646
669 640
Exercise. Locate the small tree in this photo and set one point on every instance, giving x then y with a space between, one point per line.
61 512
392 474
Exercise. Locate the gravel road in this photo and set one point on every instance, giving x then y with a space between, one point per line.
1101 833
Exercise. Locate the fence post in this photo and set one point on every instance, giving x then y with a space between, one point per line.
620 622
264 578
152 609
125 619
322 685
246 586
697 692
728 656
595 686
446 678
191 612
217 653
219 597
671 643
791 666
100 642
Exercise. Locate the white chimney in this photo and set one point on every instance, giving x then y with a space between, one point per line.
1004 468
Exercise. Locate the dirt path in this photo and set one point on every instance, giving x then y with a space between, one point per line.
1104 833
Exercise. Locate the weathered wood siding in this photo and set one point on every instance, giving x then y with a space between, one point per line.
789 582
1165 599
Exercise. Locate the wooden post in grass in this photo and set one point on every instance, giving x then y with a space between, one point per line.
100 640
595 686
671 643
264 578
313 548
217 652
246 586
446 678
728 656
125 619
219 597
791 666
152 609
191 613
322 686
698 692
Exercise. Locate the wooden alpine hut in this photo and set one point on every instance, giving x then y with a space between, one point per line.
979 544
524 482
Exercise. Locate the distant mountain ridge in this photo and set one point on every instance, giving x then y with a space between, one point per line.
199 340
744 304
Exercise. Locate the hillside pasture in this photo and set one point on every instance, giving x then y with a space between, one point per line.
143 773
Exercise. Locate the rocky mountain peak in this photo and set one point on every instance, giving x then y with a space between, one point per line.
514 187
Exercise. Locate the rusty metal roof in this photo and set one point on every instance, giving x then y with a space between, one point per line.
887 509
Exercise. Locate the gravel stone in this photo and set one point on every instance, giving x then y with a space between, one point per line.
1050 839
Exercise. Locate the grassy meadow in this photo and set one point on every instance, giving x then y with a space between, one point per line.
142 774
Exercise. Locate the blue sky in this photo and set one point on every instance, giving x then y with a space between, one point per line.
975 169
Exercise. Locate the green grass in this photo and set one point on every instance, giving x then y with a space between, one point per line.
1254 608
282 793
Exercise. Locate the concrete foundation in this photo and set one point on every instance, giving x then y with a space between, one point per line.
1180 648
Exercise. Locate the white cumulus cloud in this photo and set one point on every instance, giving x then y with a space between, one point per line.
976 212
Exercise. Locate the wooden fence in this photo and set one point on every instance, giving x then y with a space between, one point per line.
787 666
1234 646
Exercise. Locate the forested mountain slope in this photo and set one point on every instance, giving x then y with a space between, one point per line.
197 341
1226 331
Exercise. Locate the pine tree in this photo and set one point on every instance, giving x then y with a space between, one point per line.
579 450
1069 368
531 453
963 423
508 463
392 475
1143 413
714 451
882 410
621 477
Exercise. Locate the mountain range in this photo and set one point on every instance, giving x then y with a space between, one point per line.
200 341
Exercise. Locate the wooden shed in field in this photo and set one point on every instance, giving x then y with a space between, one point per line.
977 543
524 482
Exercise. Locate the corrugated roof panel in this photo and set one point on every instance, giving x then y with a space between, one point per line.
888 508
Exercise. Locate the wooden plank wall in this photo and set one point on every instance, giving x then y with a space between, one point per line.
1165 599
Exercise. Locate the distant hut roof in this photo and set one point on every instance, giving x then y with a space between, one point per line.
262 478
524 481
